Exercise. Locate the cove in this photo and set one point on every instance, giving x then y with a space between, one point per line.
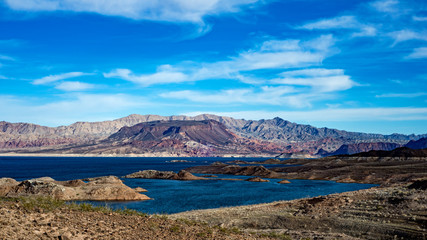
171 196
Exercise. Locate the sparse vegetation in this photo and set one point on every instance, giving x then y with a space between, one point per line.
37 203
275 235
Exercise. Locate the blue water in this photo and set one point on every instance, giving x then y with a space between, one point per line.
170 196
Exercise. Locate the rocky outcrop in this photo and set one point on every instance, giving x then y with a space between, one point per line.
284 181
257 179
108 188
258 171
377 167
154 174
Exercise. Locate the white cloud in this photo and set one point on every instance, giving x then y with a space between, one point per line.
342 22
419 19
3 77
164 10
272 54
386 6
418 53
54 78
161 77
406 35
332 115
322 80
401 95
74 86
333 23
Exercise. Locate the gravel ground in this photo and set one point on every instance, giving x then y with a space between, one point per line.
18 221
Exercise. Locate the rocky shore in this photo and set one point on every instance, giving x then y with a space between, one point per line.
394 212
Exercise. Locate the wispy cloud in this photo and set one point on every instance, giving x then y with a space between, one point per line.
74 86
418 53
401 95
319 83
165 10
54 78
406 35
270 95
419 18
163 75
272 54
322 80
7 58
342 22
386 6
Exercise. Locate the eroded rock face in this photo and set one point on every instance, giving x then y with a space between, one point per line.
108 188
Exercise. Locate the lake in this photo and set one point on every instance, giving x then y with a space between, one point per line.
170 196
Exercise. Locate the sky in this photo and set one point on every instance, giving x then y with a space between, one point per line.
353 65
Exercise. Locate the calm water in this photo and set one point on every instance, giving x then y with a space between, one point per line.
170 196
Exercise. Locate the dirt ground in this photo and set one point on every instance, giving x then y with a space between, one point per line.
19 221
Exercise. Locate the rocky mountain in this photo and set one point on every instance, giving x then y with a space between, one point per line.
418 144
361 147
204 132
291 137
402 152
169 138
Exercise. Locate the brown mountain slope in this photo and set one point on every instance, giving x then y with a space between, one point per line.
205 132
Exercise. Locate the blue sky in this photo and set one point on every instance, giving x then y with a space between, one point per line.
352 65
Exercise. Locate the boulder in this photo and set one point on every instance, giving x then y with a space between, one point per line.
6 184
284 181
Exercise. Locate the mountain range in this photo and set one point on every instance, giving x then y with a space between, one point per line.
202 135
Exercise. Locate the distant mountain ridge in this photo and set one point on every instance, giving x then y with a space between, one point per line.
362 147
292 137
